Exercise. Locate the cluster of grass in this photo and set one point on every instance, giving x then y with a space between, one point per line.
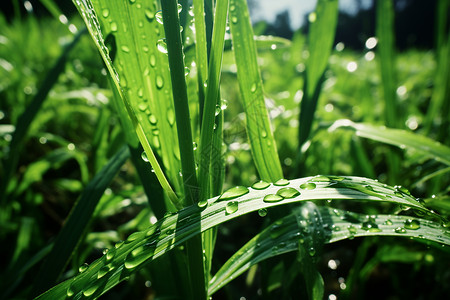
138 144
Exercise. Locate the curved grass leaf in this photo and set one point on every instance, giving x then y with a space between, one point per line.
142 247
284 235
400 138
140 74
260 134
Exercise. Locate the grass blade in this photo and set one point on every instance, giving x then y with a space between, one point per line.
141 247
141 111
289 230
400 138
77 222
179 91
259 132
320 41
211 100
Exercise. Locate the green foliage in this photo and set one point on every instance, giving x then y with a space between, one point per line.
196 105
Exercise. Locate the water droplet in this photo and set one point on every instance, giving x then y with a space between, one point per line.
149 14
370 226
152 60
113 26
159 82
186 71
271 198
218 110
253 88
144 156
232 7
69 291
308 186
223 104
194 146
388 222
320 178
412 224
110 254
231 207
400 230
352 229
152 119
162 46
118 244
263 133
105 13
159 17
288 192
83 268
234 19
282 182
132 1
202 203
179 7
103 271
170 116
134 236
369 187
139 255
91 289
312 251
260 185
125 49
262 212
142 106
234 192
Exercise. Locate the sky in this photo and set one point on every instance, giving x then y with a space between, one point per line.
268 9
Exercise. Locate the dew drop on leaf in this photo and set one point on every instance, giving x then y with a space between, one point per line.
105 13
253 88
388 222
400 230
202 204
159 82
110 254
149 14
234 192
152 60
288 192
234 19
352 229
231 207
162 46
144 156
308 186
159 17
412 224
262 212
271 198
260 185
83 267
152 119
113 26
282 182
312 251
170 116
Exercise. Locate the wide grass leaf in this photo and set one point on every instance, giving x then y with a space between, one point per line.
141 247
259 132
400 138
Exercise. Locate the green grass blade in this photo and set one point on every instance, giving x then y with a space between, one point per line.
289 230
141 247
400 138
148 82
211 100
179 91
320 42
77 222
200 51
259 132
386 46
